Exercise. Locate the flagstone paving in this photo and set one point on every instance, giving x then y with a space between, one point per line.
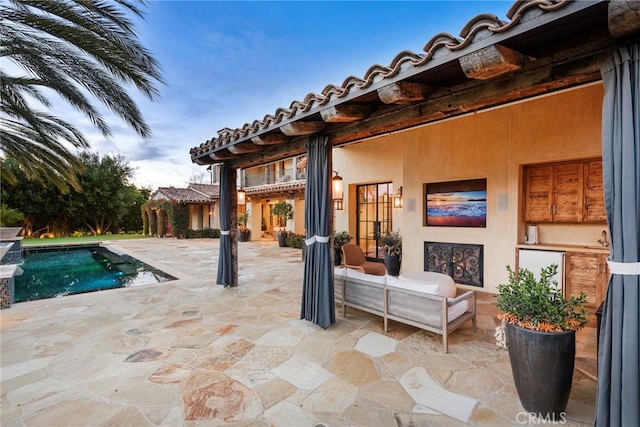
192 353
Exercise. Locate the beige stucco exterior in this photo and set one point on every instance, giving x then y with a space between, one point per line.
492 144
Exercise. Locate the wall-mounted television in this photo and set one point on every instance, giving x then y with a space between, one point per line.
456 203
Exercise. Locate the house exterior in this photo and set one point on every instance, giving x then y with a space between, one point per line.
486 106
268 184
201 200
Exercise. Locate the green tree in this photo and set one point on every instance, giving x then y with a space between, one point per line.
81 50
106 195
136 197
106 201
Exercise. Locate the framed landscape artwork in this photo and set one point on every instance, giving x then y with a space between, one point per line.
456 203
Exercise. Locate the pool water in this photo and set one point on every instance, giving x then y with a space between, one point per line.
49 272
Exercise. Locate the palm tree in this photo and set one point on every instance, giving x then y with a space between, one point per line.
81 50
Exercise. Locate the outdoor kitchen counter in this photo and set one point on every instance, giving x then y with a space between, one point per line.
565 248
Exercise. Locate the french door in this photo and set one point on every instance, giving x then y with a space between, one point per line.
374 212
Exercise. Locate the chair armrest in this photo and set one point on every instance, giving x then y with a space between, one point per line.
464 296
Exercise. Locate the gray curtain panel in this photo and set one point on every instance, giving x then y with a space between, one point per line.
618 397
317 292
225 260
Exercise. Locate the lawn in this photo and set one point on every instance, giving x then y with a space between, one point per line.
77 240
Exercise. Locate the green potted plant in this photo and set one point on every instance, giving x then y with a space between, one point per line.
392 243
243 231
538 329
339 239
284 212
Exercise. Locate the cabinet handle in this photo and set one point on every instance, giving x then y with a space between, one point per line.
549 208
554 209
598 268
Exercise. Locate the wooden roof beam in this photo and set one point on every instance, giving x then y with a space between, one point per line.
624 17
403 93
345 113
270 139
243 148
490 62
302 128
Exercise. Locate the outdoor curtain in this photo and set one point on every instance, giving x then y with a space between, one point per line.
225 260
317 292
618 397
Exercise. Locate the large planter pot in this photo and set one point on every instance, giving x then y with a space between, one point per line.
282 239
542 365
243 235
392 263
337 256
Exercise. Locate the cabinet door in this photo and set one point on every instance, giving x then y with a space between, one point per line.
568 192
538 187
588 273
594 192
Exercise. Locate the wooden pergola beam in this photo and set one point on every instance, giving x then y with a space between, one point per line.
345 113
491 62
302 128
270 139
402 93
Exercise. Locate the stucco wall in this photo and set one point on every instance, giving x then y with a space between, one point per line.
492 144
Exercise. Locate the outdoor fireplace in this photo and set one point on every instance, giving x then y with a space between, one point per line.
463 262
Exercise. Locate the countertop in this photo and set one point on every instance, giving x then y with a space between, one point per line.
565 248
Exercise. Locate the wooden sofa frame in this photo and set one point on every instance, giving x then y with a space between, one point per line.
404 305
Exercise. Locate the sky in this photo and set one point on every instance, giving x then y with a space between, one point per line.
227 63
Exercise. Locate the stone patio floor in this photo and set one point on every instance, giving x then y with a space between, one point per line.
192 353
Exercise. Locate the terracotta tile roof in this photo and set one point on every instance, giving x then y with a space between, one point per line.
195 193
405 62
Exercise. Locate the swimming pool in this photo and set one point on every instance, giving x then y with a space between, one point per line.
55 271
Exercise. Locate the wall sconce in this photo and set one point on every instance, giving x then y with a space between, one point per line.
397 198
337 194
242 197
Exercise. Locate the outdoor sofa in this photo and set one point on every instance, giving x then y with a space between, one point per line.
422 299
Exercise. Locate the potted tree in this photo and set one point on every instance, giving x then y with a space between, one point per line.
339 239
284 212
538 328
243 231
392 242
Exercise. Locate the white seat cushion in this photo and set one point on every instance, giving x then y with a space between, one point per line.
457 310
447 287
355 274
413 285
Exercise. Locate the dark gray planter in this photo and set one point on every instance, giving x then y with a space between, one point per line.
542 365
392 263
243 235
282 239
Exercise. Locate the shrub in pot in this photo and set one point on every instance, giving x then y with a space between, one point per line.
392 242
243 231
538 328
339 239
284 212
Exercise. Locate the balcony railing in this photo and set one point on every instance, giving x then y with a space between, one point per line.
256 178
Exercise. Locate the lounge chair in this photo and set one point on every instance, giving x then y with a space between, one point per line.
353 257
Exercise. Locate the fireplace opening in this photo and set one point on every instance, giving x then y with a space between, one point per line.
462 261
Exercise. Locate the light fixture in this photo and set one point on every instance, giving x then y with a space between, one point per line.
336 191
397 198
242 197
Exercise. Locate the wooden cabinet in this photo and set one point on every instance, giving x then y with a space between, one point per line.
564 192
588 273
593 192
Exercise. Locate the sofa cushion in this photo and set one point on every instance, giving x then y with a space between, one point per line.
457 310
355 274
339 271
413 285
447 285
